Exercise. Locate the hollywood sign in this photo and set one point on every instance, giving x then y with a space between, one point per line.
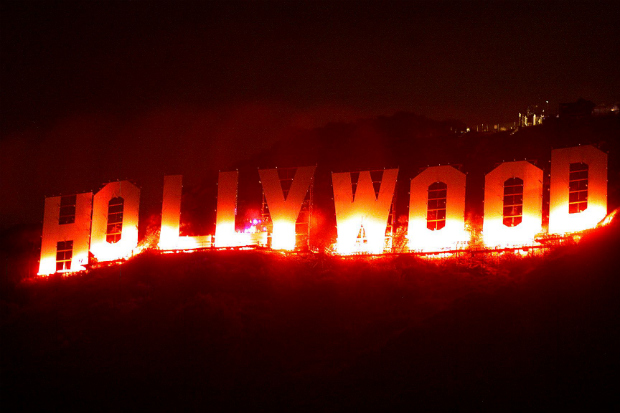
106 224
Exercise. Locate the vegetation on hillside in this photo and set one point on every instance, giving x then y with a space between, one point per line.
253 330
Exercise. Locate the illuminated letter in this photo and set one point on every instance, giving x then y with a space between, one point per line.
578 193
512 204
284 210
225 235
362 211
437 209
171 212
169 238
114 234
66 233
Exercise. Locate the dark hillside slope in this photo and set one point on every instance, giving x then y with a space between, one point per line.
250 330
547 342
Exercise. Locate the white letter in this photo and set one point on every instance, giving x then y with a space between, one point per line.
578 198
285 210
114 234
512 204
225 235
437 209
66 230
169 238
362 211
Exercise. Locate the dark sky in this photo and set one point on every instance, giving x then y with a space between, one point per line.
477 62
94 86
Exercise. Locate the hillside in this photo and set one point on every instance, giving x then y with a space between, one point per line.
251 331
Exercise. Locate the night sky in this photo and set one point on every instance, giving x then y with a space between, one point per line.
100 91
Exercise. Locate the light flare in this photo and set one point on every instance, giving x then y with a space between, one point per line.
170 240
451 237
372 243
498 235
566 223
125 248
609 218
283 236
225 235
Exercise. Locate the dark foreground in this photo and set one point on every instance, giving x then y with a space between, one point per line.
253 331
